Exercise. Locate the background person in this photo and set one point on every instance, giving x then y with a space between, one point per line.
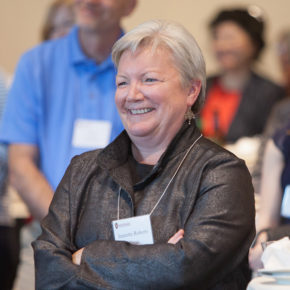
56 84
13 214
280 114
62 101
59 20
274 212
199 196
9 227
238 100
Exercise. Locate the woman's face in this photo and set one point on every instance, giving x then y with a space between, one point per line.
62 22
150 97
232 46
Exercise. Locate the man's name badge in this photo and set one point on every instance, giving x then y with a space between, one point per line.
91 133
135 230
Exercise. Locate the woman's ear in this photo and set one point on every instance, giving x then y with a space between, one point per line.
193 93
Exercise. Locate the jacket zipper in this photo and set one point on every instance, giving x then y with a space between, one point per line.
119 198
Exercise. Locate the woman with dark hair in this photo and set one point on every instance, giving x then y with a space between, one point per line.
238 100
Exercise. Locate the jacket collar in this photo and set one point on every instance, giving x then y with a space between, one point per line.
114 157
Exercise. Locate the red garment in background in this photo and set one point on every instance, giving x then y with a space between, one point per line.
219 110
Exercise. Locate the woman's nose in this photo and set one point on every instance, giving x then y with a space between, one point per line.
134 93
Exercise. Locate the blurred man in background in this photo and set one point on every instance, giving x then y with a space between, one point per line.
62 101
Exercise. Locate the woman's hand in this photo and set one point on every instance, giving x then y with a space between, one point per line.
77 256
256 252
176 237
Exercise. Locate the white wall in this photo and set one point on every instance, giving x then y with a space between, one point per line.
20 22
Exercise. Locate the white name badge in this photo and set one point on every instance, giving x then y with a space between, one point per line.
285 208
91 133
135 230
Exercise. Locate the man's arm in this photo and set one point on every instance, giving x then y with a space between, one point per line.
30 183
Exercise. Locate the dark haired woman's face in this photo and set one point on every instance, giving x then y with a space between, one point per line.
232 46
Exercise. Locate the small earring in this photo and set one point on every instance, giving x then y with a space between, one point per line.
189 116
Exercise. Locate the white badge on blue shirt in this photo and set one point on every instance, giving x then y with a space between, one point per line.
285 208
135 230
91 133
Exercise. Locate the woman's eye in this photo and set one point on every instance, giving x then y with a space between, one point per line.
150 80
120 84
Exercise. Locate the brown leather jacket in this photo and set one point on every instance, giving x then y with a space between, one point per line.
211 198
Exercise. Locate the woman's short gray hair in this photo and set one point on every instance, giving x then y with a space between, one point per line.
185 50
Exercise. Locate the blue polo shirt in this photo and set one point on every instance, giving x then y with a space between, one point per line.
55 84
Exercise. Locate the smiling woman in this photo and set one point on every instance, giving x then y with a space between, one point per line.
151 99
169 209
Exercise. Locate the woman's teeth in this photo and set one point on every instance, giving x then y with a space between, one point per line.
140 111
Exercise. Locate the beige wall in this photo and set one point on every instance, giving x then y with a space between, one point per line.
20 22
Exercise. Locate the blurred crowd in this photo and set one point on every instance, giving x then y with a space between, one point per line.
61 103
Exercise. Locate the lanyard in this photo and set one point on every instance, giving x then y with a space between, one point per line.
170 181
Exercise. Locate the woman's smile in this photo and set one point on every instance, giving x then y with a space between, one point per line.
150 96
140 111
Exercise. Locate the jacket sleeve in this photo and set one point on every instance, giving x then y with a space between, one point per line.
53 249
218 233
